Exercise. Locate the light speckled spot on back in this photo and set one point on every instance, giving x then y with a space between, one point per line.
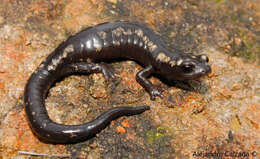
102 35
55 62
139 33
179 62
115 42
118 31
172 63
97 44
153 47
50 67
128 32
69 48
163 58
89 44
145 39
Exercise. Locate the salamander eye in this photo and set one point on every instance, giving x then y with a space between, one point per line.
204 58
187 68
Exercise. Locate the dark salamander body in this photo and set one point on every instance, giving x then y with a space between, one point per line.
84 53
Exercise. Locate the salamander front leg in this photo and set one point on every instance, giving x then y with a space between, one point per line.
141 78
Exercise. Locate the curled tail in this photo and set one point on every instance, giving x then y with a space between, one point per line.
49 131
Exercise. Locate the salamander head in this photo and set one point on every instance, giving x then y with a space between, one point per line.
193 67
185 67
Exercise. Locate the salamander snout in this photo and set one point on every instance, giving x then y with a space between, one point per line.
202 67
205 69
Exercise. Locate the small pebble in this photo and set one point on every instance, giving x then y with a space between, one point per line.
2 20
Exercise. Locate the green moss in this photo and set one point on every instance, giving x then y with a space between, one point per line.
155 136
249 49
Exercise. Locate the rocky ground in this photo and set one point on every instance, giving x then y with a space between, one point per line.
218 116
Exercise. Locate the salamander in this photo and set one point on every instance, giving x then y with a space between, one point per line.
87 52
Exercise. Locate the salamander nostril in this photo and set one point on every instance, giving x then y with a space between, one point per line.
205 70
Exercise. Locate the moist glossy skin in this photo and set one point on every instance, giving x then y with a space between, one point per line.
84 53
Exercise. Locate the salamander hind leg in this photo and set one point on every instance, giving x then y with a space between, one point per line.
85 67
107 71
